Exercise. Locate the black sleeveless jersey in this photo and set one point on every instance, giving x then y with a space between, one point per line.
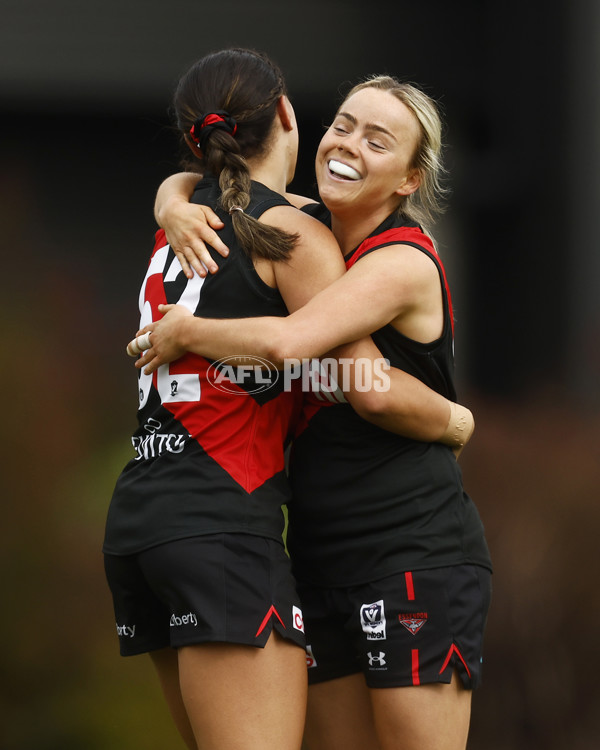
209 449
368 503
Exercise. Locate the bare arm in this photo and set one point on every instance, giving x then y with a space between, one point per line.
402 403
356 304
189 227
409 407
315 263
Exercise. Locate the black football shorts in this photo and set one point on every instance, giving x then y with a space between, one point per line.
231 588
411 628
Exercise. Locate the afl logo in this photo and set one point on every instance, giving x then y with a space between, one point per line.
242 375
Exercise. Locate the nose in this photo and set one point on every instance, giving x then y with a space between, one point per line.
349 143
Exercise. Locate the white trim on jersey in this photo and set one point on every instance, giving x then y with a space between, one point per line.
182 386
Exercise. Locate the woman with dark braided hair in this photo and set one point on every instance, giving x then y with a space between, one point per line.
193 546
388 551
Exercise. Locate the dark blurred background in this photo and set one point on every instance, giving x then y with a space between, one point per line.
85 141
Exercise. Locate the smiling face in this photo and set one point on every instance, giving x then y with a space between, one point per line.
364 161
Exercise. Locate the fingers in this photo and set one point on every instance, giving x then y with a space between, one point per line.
146 329
207 234
149 361
139 344
212 218
191 233
184 263
196 256
216 242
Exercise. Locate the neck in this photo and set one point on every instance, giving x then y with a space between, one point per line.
272 169
352 228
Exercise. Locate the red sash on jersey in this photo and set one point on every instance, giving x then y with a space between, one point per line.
244 437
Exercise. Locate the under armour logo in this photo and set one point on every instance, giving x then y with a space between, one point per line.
376 659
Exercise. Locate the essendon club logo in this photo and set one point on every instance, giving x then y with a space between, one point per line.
413 622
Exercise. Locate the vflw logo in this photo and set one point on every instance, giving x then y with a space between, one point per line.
413 622
372 620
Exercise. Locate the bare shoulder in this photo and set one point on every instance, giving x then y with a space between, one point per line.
315 262
292 220
404 262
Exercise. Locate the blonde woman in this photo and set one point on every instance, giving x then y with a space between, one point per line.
388 550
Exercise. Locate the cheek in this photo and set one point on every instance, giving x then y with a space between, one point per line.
327 143
321 150
320 157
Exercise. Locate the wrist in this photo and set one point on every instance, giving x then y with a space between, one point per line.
183 333
460 426
166 208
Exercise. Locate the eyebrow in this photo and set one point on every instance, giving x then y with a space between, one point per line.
368 126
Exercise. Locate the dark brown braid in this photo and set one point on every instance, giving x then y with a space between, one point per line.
245 86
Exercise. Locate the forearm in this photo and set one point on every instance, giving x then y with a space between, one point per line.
190 229
399 402
412 409
177 187
221 338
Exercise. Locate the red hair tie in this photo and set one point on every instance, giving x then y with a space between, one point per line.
205 125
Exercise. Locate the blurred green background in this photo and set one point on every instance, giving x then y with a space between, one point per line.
84 91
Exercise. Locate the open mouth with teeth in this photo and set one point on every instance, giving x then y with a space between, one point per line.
344 171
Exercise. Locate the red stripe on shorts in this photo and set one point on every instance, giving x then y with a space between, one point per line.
415 666
410 589
454 650
272 611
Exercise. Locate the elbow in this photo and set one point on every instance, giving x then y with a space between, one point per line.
284 344
370 404
277 347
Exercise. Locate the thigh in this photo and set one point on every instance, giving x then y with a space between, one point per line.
418 628
166 664
434 716
339 716
243 698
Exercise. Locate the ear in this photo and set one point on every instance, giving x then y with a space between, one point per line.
194 148
410 184
286 114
